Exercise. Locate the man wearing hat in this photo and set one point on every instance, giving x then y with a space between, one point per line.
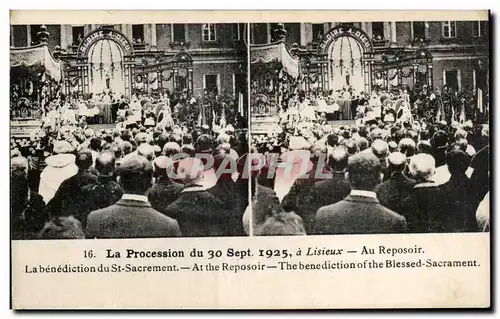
60 166
132 216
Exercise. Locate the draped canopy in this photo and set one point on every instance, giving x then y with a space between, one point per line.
36 58
275 53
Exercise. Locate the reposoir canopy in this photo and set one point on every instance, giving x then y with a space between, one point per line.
37 57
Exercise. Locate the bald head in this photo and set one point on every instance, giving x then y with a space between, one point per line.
171 148
19 164
363 144
147 151
84 158
380 148
338 159
422 166
407 146
397 161
105 163
352 146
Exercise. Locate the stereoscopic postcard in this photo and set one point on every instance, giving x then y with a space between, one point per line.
250 159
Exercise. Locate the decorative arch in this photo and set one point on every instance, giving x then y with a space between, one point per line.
345 30
105 33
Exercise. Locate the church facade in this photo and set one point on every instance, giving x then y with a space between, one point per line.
124 58
386 55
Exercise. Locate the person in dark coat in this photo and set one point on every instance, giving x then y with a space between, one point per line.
480 177
105 191
69 198
28 213
439 144
165 191
329 191
132 216
199 212
398 187
425 200
360 212
459 208
226 190
265 203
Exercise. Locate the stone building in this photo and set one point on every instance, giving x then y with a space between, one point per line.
389 54
150 57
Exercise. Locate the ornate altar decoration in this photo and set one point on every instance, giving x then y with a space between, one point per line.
35 77
274 70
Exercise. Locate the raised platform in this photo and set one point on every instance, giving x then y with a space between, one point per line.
265 124
99 127
24 128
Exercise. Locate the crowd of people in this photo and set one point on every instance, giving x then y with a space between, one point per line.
400 167
160 172
135 180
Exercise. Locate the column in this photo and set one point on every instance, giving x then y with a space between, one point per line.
303 41
393 32
124 30
474 86
364 26
269 32
64 38
326 27
153 35
369 29
11 35
387 30
28 35
147 33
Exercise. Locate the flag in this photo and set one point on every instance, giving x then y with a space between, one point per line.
213 118
223 116
480 100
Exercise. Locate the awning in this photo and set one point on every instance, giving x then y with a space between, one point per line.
275 52
36 57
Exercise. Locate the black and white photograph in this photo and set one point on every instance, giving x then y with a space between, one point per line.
127 130
370 127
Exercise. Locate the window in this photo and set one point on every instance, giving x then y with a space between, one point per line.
20 33
449 29
179 32
259 33
419 29
238 30
34 33
210 83
477 30
317 29
77 32
239 84
138 33
208 31
451 79
378 30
